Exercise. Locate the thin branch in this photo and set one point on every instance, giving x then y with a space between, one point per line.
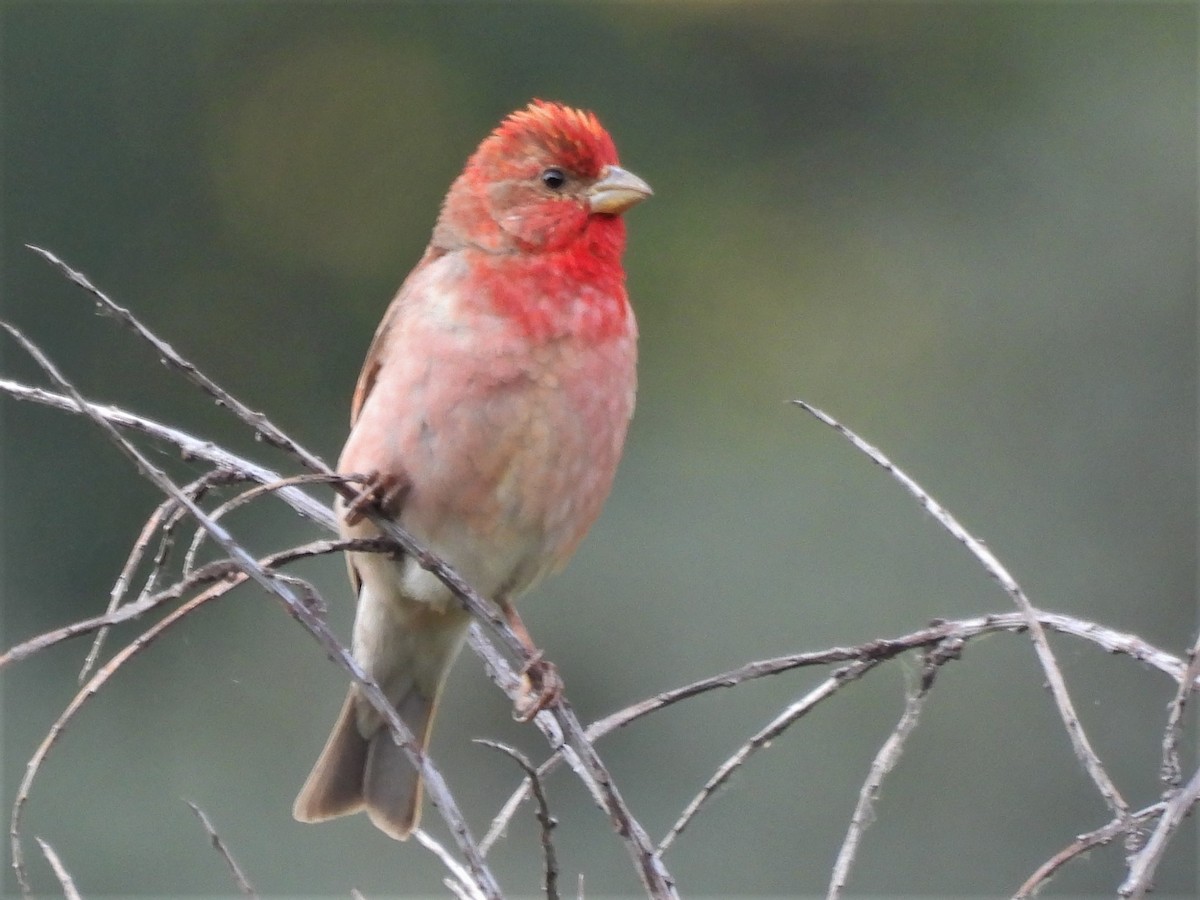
1144 864
190 447
1107 639
1054 677
545 819
763 738
223 571
559 722
656 879
885 761
1171 769
247 496
239 876
1083 844
563 732
164 512
85 693
60 871
215 571
266 431
459 882
300 610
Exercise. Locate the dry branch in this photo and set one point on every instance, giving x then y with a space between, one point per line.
763 738
885 760
295 602
992 565
599 781
191 586
70 892
544 817
214 838
656 879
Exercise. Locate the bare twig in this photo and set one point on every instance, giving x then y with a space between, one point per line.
459 881
1171 770
563 731
1110 641
300 610
60 871
886 648
885 760
599 781
545 819
215 571
763 738
1145 862
263 428
85 693
1106 834
247 496
1054 677
189 446
239 876
164 513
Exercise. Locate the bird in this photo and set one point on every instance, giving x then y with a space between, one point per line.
488 420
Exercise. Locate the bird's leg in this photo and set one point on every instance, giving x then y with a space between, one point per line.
386 491
540 682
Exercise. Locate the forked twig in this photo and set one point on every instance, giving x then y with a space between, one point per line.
1084 843
294 601
163 516
992 565
544 817
653 874
883 763
1145 862
1106 639
763 738
459 881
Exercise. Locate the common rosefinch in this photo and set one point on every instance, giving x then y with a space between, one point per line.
488 420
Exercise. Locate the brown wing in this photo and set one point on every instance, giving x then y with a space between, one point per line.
374 360
370 374
372 364
366 381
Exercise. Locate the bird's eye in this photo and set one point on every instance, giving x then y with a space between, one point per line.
554 179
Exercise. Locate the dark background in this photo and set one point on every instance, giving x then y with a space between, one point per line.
967 230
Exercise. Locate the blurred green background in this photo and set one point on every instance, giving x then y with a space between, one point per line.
967 230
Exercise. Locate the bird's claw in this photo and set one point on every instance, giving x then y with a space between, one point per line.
384 491
541 686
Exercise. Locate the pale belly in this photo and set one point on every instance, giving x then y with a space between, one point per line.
507 476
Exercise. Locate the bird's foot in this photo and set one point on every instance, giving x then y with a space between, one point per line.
541 686
386 492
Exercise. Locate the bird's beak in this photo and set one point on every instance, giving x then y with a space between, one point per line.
616 191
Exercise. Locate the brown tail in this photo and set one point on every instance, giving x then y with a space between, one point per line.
355 772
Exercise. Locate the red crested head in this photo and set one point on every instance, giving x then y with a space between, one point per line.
574 138
544 179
